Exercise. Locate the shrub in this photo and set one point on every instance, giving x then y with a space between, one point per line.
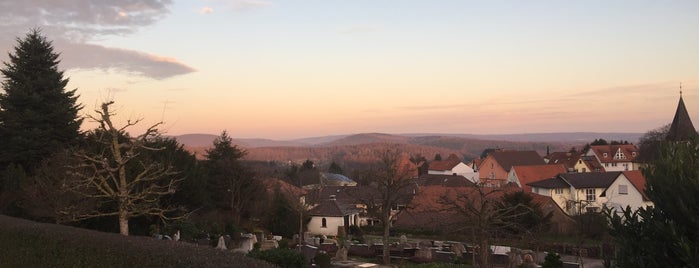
322 260
283 257
552 260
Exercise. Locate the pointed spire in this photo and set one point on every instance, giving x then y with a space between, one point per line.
682 128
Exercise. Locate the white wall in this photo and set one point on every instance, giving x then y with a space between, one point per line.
315 225
460 169
633 198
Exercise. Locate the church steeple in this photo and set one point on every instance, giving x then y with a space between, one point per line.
682 128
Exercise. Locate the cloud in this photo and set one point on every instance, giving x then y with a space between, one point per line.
206 10
74 24
248 4
105 58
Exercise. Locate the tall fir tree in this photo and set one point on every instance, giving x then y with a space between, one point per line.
38 116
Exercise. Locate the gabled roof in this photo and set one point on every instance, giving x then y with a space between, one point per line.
528 174
445 165
331 208
638 180
550 183
681 128
592 163
444 180
567 159
507 159
590 179
629 152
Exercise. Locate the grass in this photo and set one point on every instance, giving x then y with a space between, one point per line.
31 244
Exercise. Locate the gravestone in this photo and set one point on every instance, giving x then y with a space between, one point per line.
176 236
341 254
403 239
296 239
458 249
423 254
221 243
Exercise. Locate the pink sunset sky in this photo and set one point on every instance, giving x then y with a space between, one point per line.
290 69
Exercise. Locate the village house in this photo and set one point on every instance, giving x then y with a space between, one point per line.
521 175
496 166
452 166
331 217
577 193
574 161
619 157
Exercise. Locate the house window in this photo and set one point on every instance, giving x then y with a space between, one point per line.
559 190
590 194
614 164
633 154
584 170
491 166
324 223
492 175
623 189
619 154
605 155
606 164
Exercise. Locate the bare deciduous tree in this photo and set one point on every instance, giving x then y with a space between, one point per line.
392 182
117 172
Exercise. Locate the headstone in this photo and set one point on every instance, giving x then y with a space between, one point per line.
458 249
309 252
316 241
341 254
176 236
269 244
246 245
423 254
221 243
277 237
167 237
296 239
403 239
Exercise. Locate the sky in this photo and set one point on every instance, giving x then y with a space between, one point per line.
284 69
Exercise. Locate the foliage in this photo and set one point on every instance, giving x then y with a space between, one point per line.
649 143
31 244
322 260
335 168
283 220
599 141
664 235
529 216
283 257
231 184
38 116
552 260
437 157
591 224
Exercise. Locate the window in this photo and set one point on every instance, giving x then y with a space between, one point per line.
606 164
559 190
491 165
584 170
614 164
324 223
605 155
590 194
619 154
623 189
492 175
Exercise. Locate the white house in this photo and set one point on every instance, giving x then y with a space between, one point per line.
330 215
577 193
620 157
452 166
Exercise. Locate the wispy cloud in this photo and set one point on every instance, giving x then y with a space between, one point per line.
241 5
74 24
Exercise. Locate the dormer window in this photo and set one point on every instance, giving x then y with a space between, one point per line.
605 155
619 154
633 154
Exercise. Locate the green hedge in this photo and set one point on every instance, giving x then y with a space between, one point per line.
29 244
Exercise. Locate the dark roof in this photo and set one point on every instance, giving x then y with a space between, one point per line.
550 183
444 180
331 208
681 128
507 159
444 165
567 159
590 179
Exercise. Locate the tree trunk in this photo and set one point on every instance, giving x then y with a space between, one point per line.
123 221
386 231
484 250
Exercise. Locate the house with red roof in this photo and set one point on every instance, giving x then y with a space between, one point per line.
619 157
452 166
495 168
521 175
578 193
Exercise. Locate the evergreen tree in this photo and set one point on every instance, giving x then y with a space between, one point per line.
38 116
666 234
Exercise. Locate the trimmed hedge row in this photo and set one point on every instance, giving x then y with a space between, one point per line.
25 243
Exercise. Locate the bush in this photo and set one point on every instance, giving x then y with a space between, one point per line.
552 260
322 260
283 257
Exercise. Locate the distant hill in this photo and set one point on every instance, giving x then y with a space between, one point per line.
360 147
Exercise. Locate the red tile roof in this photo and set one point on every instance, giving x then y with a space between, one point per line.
445 165
567 159
529 174
507 159
638 180
629 150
